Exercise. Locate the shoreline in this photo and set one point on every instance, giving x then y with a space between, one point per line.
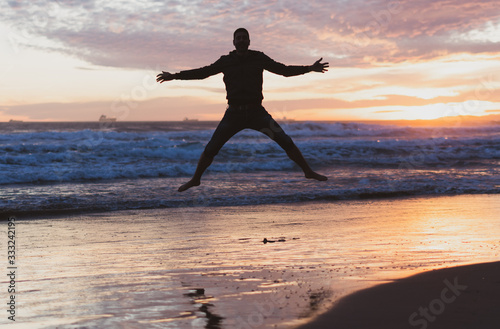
72 212
144 268
453 297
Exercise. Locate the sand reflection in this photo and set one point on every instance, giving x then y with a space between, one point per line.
207 267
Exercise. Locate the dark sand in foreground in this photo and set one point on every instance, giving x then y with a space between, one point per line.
458 297
207 267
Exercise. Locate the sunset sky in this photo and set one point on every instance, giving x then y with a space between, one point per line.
73 60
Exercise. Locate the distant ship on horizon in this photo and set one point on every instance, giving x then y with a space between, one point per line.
285 120
190 120
104 118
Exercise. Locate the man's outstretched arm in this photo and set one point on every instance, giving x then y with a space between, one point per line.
195 74
293 70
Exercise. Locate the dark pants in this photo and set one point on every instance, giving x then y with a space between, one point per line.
242 117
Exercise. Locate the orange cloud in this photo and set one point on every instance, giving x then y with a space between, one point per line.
382 53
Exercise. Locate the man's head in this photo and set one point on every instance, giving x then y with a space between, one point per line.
241 40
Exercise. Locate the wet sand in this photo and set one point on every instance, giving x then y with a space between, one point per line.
458 297
208 267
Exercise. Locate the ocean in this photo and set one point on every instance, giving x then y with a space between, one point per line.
104 240
92 166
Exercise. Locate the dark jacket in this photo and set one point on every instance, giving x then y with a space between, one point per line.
243 75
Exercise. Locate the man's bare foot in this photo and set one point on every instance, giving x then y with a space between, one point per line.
188 185
316 176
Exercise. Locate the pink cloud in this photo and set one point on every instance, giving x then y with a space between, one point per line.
180 34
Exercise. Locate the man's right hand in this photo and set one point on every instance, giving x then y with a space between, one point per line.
164 76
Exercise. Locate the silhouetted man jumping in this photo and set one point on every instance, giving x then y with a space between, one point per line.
243 70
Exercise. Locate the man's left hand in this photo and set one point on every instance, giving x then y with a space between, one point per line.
320 67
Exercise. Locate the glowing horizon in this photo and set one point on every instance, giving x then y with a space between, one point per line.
389 60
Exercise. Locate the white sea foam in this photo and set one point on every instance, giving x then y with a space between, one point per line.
371 160
91 154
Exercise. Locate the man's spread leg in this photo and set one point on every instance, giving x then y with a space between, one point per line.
294 153
226 129
273 130
203 164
